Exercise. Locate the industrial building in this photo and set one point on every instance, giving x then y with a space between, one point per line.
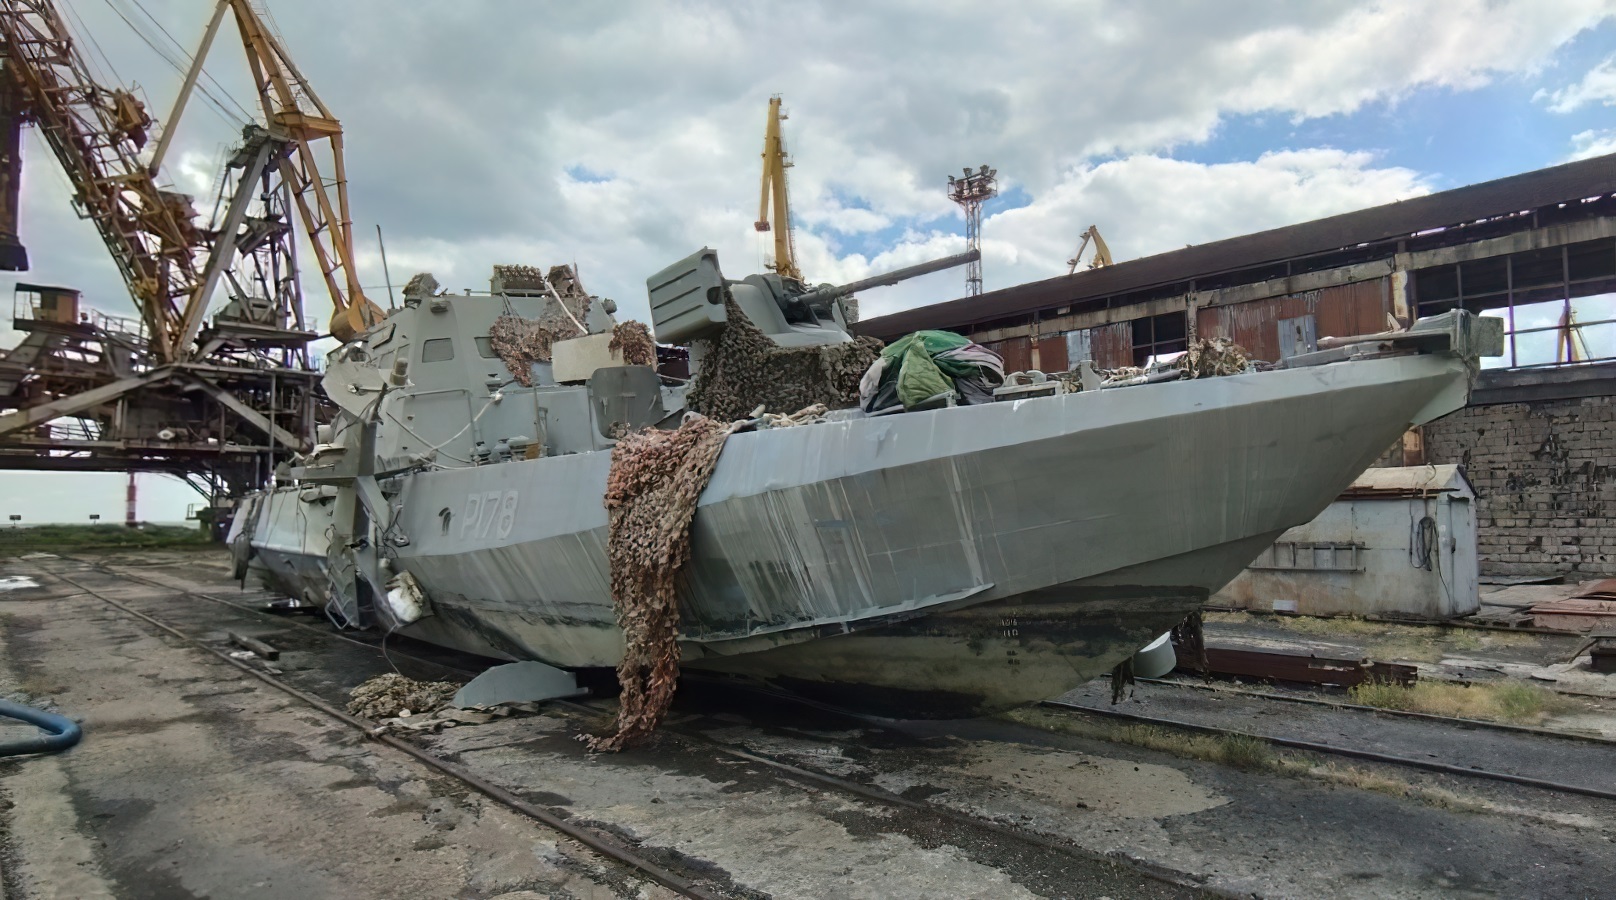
1536 249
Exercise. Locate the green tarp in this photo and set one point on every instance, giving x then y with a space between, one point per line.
920 375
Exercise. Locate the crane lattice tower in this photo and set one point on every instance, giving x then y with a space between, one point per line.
970 191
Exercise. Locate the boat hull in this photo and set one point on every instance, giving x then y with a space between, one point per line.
879 555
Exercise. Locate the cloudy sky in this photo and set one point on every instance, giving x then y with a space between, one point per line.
623 136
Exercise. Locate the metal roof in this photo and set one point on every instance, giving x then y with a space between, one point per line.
1516 193
1402 481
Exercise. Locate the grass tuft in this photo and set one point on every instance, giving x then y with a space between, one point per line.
68 538
1515 702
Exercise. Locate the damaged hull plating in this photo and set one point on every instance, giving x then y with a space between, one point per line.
941 563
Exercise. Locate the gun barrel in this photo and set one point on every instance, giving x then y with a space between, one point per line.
893 277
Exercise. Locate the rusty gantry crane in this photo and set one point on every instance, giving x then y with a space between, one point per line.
219 403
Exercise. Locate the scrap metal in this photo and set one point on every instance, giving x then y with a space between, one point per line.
1297 667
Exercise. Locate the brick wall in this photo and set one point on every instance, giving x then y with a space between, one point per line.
1545 473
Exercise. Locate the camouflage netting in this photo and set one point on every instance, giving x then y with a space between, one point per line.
744 369
520 341
1210 357
385 696
634 340
656 478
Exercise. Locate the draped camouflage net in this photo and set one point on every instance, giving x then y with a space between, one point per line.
633 340
656 478
744 369
519 341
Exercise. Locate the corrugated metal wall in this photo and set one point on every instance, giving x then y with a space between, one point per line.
1052 353
1112 345
1340 311
1017 353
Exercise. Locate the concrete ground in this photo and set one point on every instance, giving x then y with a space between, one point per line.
194 781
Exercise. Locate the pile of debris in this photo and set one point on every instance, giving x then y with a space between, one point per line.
744 369
390 695
1212 357
656 478
633 340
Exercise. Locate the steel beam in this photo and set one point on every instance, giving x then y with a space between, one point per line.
261 147
249 415
67 406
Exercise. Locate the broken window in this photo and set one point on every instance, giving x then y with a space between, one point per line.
1558 303
1155 336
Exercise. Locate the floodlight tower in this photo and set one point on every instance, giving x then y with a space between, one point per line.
969 191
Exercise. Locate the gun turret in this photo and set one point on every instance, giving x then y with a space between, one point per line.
827 292
688 301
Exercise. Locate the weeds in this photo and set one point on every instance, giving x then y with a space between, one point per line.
1365 780
1389 640
58 538
1236 750
1408 649
1509 701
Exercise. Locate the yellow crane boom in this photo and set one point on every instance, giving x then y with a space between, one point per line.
1102 253
97 135
775 163
292 108
169 262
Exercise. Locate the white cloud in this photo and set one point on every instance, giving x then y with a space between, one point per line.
1597 86
463 120
462 153
1591 143
1147 204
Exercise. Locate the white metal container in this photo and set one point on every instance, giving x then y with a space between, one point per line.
1399 542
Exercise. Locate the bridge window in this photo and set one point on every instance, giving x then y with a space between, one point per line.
437 350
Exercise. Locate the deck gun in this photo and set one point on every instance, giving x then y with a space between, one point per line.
688 301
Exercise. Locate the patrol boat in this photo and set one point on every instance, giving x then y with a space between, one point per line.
939 563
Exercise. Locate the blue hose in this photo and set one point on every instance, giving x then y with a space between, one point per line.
57 733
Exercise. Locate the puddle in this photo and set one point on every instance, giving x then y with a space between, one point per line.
16 582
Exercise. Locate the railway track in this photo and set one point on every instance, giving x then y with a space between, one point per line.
599 841
1383 711
801 774
601 844
1337 750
